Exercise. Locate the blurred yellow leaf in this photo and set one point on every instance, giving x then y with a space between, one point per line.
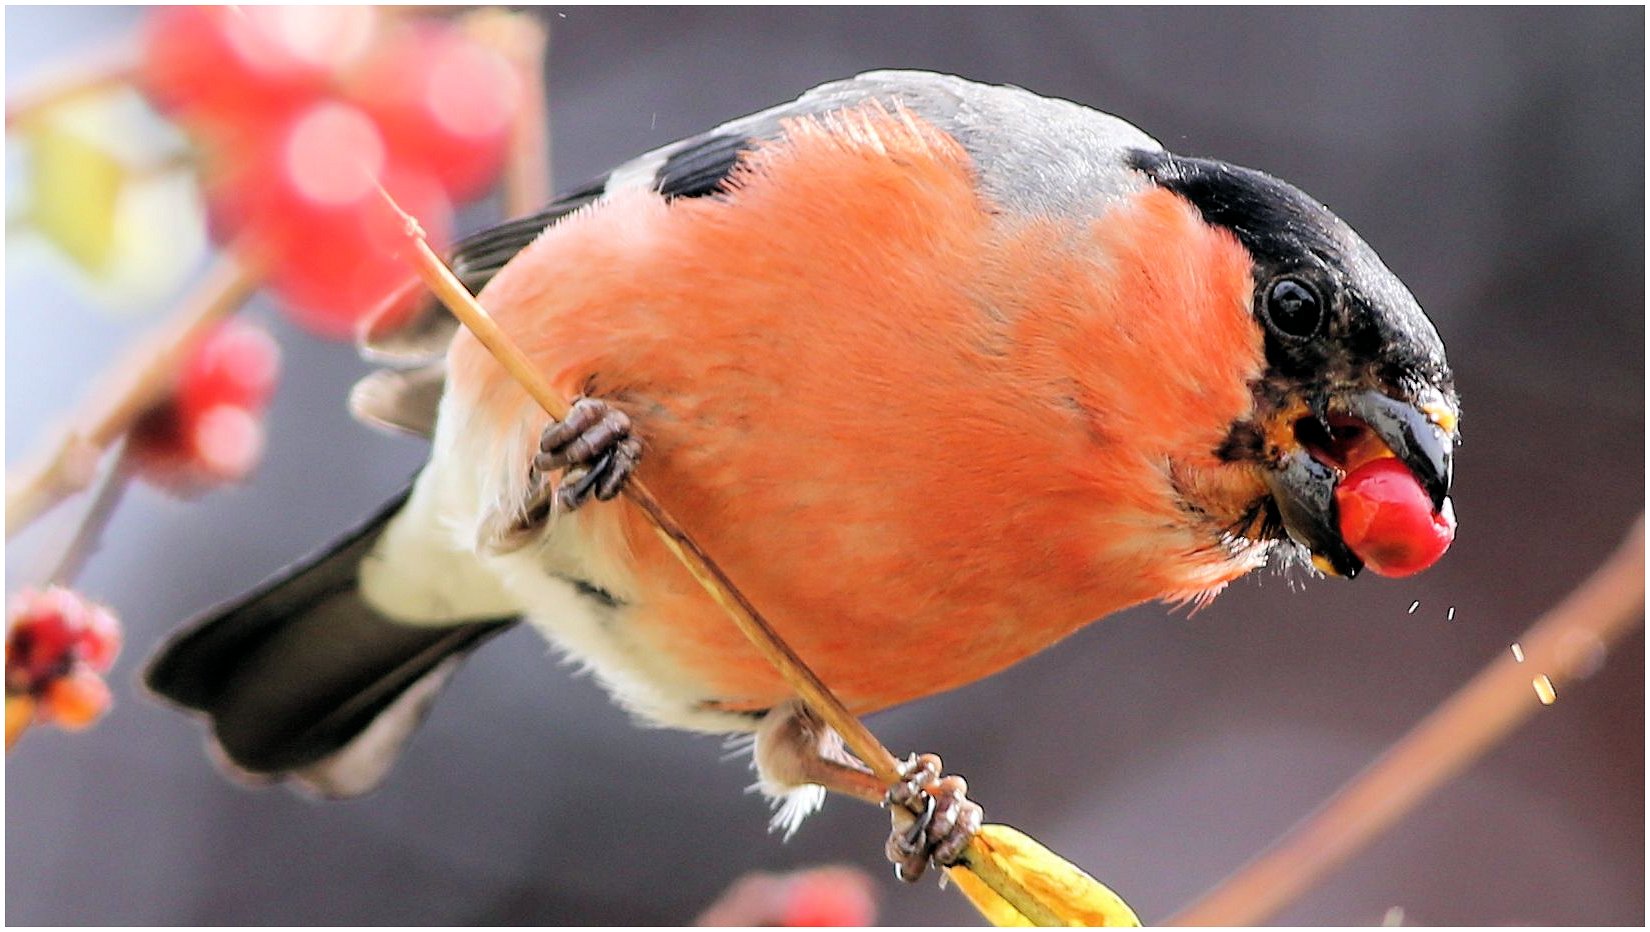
111 187
1014 881
74 190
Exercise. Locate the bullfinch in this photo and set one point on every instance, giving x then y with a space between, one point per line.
938 372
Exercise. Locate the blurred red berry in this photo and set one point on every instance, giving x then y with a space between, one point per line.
303 113
226 441
54 632
312 208
101 639
442 100
359 260
160 453
74 700
829 896
209 430
819 896
236 364
247 66
41 641
186 457
325 156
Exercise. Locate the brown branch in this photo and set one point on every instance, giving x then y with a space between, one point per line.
139 383
98 71
1566 644
523 39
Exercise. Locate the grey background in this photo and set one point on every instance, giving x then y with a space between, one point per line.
1493 157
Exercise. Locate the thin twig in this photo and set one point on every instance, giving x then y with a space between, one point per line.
1565 645
92 72
89 534
144 378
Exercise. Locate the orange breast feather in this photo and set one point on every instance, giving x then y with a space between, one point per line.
925 436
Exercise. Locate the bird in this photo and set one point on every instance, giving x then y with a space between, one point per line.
937 371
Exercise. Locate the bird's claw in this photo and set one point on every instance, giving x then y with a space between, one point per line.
933 818
594 446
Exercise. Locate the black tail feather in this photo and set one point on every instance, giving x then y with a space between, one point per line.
293 672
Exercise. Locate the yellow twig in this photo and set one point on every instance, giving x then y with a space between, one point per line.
144 378
1565 644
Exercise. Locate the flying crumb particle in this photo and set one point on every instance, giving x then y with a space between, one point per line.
1544 689
1414 605
1518 652
1450 616
1394 918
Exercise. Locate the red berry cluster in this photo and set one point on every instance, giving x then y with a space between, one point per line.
303 112
209 429
57 645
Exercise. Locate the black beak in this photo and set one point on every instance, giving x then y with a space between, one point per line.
1304 490
1417 442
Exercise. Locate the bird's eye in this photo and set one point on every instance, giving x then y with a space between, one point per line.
1293 308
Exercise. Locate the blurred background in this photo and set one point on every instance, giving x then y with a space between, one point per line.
1495 159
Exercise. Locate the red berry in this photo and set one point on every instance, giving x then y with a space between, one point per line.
51 632
236 364
1386 518
311 207
226 441
828 896
187 456
41 642
239 67
75 700
100 640
443 101
208 431
159 450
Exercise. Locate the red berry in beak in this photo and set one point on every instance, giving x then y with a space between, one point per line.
1387 519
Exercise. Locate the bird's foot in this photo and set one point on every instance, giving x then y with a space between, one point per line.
597 452
594 447
934 820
